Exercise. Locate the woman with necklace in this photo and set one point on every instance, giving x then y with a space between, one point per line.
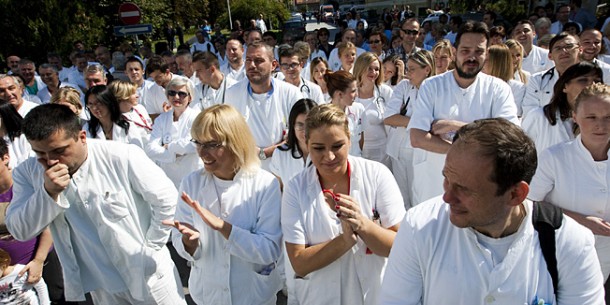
339 217
227 220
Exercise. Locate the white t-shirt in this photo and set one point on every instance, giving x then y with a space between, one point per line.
375 133
440 97
537 60
567 176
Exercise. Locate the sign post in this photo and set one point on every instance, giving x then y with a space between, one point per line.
131 15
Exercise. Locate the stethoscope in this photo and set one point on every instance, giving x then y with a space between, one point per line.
550 74
206 88
304 88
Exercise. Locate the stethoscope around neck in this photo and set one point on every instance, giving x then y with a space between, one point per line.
304 88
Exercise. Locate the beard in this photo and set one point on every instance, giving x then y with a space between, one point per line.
465 74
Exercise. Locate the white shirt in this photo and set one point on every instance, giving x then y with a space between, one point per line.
236 75
434 262
311 90
211 96
135 135
152 97
539 90
19 150
180 157
14 289
26 107
76 77
239 270
537 60
518 90
285 166
567 176
355 121
375 135
404 95
64 74
605 69
334 62
206 46
440 97
557 27
45 96
139 116
267 114
308 220
125 196
544 135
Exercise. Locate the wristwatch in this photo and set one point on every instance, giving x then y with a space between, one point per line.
261 154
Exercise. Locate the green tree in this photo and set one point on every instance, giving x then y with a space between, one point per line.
275 12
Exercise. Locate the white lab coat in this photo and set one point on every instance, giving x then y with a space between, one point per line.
136 135
233 271
399 141
537 60
355 121
210 96
285 166
334 62
152 97
312 91
567 176
434 262
180 157
544 135
45 96
267 118
539 90
518 89
26 107
375 132
308 220
440 97
236 75
126 197
19 150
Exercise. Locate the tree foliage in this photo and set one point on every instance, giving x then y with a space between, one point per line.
274 12
33 28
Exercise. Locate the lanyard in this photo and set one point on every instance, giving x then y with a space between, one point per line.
144 123
330 192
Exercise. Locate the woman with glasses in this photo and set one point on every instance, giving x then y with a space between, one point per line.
373 95
339 217
227 222
397 116
343 90
377 42
393 70
170 146
107 122
553 123
318 68
443 56
127 95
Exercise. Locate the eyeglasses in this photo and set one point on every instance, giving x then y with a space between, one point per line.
375 41
208 146
566 48
289 66
181 94
410 32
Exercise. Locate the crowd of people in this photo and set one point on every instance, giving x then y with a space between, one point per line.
404 164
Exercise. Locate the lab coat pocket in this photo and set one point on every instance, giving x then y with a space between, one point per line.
114 206
266 283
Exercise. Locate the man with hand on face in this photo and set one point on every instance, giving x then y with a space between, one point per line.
264 101
104 211
291 66
447 102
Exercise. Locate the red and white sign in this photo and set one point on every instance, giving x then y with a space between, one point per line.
129 13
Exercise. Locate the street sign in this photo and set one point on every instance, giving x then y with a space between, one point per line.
130 13
132 29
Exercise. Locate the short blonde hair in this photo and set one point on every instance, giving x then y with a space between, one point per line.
500 62
68 95
362 64
324 116
343 47
224 124
122 90
599 90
